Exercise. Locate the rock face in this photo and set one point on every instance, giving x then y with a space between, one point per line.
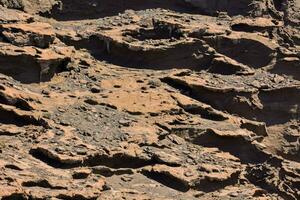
12 16
30 65
179 99
34 34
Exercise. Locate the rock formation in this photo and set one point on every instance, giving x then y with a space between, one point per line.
150 99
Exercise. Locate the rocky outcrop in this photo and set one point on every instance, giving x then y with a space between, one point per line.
35 34
13 16
149 99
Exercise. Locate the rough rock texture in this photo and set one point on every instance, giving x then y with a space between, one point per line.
152 99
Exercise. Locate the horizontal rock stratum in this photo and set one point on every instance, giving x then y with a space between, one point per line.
150 99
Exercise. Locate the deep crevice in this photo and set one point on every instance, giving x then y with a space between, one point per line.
17 102
116 161
246 28
168 180
41 183
51 161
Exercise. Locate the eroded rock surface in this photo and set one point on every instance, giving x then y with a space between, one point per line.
180 99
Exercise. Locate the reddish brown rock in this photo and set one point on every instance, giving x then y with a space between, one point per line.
34 34
199 101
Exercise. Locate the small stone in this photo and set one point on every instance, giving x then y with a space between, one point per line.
95 89
234 194
59 149
188 174
126 178
124 122
278 79
45 92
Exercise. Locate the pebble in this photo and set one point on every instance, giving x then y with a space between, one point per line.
95 89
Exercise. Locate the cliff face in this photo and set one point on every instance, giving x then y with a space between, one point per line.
176 99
